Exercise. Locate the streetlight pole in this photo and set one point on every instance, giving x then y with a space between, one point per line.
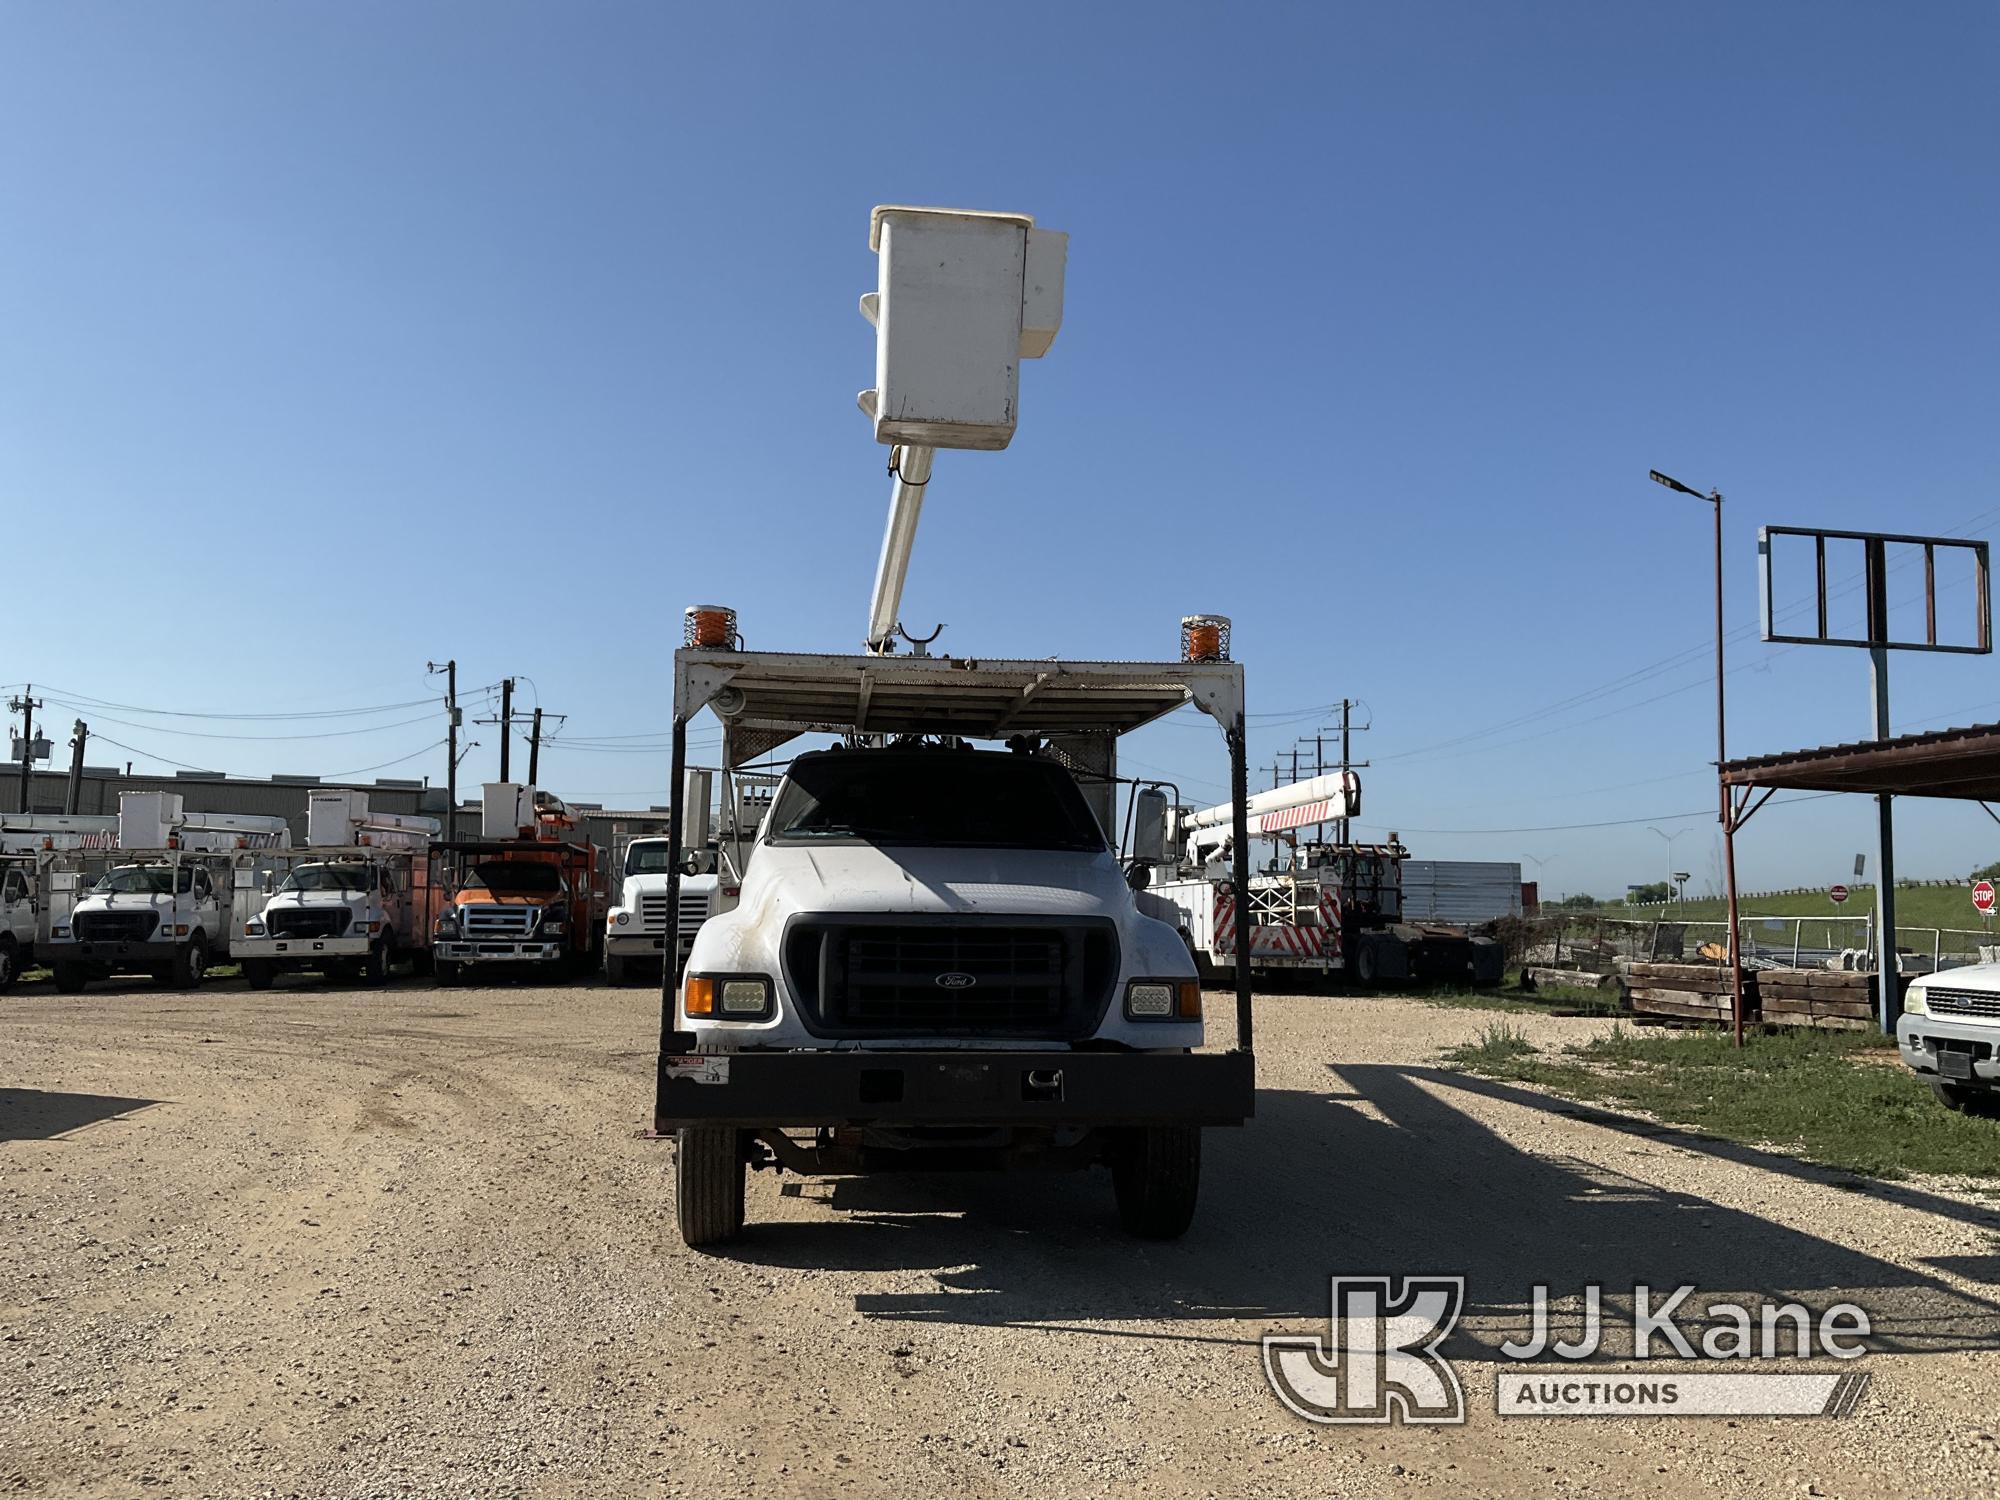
1724 812
1670 837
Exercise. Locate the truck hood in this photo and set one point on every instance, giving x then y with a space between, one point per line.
292 899
123 902
508 898
784 879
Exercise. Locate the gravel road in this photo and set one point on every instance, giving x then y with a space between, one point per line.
321 1242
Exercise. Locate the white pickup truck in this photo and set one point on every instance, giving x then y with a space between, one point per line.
936 960
168 916
1949 1034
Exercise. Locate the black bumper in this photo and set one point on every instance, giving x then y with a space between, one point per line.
800 1089
116 953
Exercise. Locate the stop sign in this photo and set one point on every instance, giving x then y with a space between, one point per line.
1982 894
1837 895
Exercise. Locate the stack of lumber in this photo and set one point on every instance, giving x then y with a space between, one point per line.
1691 992
1829 998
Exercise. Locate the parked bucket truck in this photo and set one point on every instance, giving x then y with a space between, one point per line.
356 906
1327 911
527 896
935 960
181 888
29 844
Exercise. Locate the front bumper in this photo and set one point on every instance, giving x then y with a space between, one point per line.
133 953
499 951
1926 1041
639 944
848 1087
300 950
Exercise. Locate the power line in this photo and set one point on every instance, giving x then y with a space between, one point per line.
96 704
196 734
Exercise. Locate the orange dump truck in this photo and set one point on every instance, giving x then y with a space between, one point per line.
528 896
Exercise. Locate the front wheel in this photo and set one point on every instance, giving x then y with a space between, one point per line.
445 971
617 969
1156 1174
708 1184
71 978
259 973
10 966
1965 1101
375 967
190 965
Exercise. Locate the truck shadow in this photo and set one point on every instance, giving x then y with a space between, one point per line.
38 1115
1384 1176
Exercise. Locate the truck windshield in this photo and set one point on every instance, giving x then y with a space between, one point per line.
515 877
327 878
144 880
649 859
939 798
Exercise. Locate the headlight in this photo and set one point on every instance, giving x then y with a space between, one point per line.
620 918
552 918
61 930
253 928
1163 1000
1913 1001
734 997
446 925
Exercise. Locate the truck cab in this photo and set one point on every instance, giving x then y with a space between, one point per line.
936 959
635 929
166 915
354 906
527 897
19 914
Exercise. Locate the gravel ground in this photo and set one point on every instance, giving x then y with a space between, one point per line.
318 1242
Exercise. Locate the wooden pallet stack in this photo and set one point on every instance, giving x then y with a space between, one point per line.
1832 999
1686 992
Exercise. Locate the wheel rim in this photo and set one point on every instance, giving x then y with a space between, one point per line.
197 962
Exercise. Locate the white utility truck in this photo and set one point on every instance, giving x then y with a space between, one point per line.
182 886
1949 1035
711 868
29 844
359 903
934 959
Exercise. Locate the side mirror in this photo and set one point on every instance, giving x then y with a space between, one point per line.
1139 877
1149 827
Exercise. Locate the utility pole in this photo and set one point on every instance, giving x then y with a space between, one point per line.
25 706
535 746
450 670
78 738
1347 760
506 722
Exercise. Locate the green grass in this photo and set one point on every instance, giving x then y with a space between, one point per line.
1802 1091
1949 907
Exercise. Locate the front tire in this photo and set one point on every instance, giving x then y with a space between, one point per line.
1156 1175
259 973
10 965
445 971
71 978
375 967
1965 1101
708 1184
190 965
617 969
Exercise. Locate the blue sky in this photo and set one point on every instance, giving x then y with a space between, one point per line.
342 338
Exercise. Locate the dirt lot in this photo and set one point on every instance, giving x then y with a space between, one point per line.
332 1243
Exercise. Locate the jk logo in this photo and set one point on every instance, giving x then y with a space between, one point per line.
1381 1364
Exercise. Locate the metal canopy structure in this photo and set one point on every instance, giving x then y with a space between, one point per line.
1955 763
765 698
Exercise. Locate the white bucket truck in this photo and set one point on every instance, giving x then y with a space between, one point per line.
934 960
180 889
356 905
29 899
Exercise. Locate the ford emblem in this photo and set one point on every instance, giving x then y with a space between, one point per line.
956 981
